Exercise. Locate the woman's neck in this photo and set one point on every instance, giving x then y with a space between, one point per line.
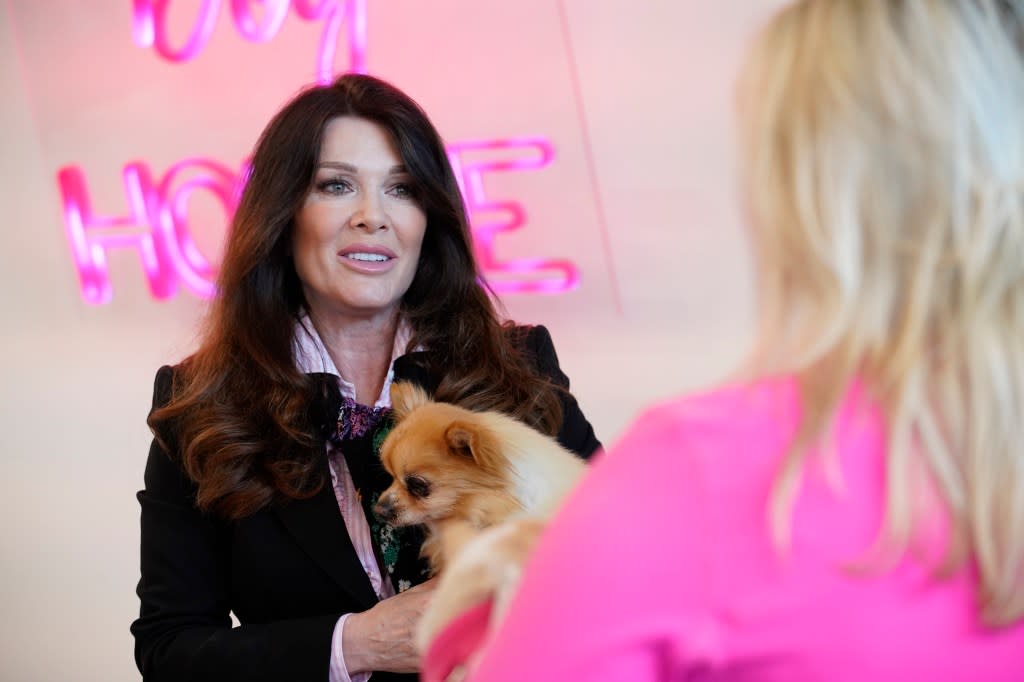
361 350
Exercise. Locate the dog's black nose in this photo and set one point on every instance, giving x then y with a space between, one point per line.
385 508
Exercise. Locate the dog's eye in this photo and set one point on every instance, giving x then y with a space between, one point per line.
417 487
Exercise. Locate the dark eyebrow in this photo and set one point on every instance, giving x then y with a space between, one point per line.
338 165
398 169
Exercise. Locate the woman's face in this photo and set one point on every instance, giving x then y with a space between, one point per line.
358 234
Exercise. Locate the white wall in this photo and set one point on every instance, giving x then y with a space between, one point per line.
664 303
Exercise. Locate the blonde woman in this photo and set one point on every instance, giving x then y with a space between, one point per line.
855 510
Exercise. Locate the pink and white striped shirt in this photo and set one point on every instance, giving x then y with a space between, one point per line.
311 356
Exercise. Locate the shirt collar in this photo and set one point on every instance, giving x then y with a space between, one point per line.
311 356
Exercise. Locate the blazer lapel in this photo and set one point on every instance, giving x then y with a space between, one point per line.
316 523
317 526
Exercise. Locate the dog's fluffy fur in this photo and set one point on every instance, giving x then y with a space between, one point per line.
460 472
451 465
486 565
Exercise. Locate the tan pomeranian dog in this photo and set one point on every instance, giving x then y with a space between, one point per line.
455 466
459 472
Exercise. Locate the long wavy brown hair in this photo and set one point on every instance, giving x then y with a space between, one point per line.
240 408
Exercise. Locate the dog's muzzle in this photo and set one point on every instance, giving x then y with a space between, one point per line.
385 508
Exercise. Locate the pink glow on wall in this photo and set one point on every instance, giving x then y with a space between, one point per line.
149 27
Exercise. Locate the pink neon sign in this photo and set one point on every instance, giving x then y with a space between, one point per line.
524 275
156 226
156 223
149 27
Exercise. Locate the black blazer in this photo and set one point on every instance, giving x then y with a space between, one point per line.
287 572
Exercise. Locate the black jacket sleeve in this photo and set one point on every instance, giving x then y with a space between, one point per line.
184 629
576 433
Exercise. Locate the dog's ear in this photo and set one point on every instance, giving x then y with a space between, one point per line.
475 441
406 397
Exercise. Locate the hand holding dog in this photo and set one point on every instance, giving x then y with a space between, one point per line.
382 638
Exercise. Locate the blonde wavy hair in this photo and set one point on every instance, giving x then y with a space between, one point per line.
884 146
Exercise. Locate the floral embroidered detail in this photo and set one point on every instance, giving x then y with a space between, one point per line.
355 420
383 429
389 541
359 433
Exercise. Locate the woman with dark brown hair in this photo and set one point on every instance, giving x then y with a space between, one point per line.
349 266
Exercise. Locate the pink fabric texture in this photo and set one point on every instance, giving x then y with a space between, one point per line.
457 644
661 567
